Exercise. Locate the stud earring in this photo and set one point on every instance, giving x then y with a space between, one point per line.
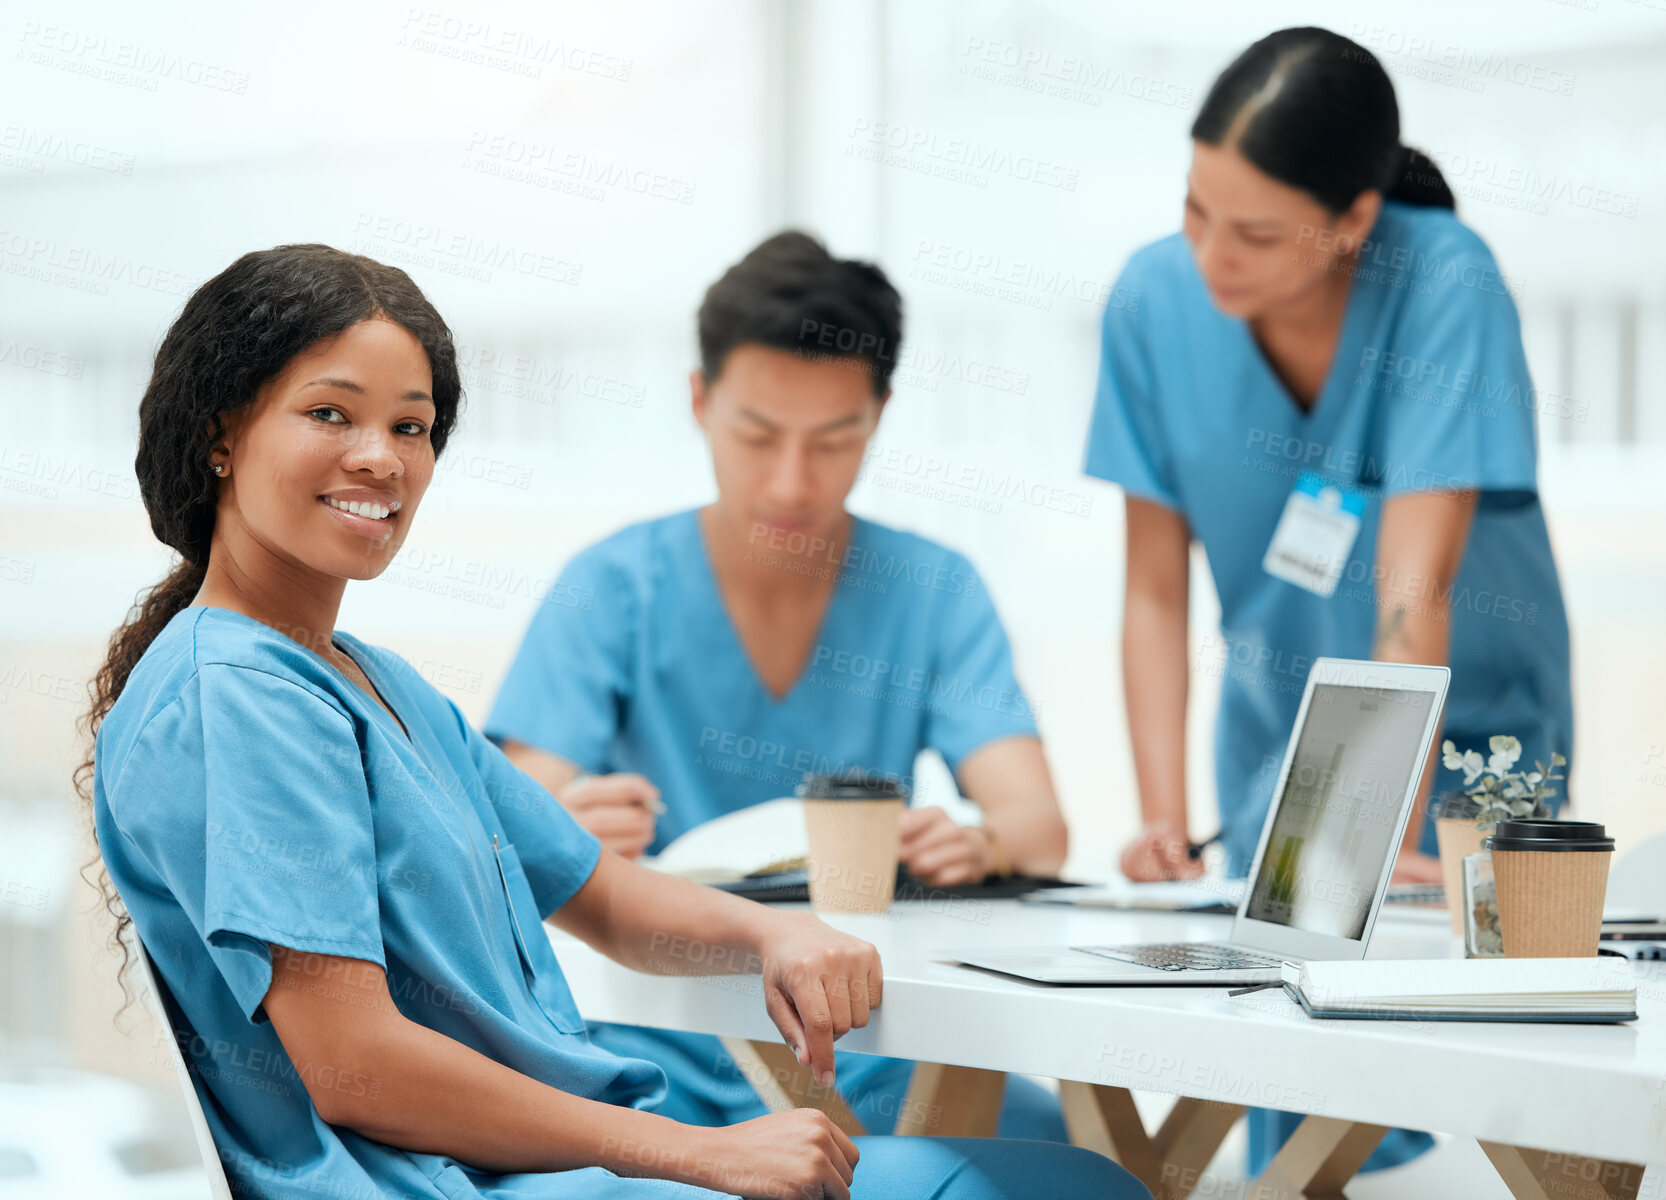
219 468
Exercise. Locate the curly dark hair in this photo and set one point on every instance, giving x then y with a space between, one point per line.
236 332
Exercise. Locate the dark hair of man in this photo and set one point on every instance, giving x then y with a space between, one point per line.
790 294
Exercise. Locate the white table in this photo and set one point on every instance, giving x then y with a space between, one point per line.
1556 1107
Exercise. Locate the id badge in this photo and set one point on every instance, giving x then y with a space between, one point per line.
1315 535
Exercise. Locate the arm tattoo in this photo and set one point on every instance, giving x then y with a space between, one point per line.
1389 629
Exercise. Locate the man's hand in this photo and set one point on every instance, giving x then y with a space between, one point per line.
819 984
1412 867
1159 851
618 809
938 851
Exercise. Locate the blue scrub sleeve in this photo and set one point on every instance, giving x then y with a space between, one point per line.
1126 441
1458 408
568 685
286 852
556 852
973 694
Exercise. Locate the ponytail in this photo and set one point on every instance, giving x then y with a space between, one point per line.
1417 180
150 614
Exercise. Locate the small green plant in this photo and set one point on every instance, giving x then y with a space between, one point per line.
1498 792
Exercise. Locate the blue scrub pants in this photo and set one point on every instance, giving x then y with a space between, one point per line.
706 1087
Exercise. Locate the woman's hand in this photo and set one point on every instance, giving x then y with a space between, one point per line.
941 852
794 1155
1160 851
618 809
819 984
1412 867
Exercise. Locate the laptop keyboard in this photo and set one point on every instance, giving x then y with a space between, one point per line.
1186 956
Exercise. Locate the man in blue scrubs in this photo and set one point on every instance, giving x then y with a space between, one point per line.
715 656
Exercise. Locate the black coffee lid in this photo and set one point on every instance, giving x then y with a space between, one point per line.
1525 834
853 785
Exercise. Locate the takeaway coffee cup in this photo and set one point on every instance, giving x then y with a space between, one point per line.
1551 878
854 827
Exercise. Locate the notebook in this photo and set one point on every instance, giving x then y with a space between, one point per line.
753 840
1600 989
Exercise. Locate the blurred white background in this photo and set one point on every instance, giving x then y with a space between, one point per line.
1000 160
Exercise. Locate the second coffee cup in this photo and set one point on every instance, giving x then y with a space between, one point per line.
854 826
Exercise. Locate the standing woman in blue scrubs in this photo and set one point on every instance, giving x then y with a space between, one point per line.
1325 339
342 884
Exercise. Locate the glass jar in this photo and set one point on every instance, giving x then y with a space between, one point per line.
1482 936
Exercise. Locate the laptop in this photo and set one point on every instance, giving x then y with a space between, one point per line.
1349 779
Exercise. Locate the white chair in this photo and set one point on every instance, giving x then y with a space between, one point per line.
218 1188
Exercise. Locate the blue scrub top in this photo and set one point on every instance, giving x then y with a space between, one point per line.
631 663
246 793
1428 391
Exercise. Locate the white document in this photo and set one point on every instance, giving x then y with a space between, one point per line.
762 837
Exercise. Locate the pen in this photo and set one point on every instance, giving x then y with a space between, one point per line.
1194 850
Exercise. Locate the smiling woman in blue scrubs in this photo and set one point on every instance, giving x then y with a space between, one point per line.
715 656
342 884
1321 379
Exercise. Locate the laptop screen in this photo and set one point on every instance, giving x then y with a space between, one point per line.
1336 820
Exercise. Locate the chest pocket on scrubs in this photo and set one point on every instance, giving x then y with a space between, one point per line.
542 971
